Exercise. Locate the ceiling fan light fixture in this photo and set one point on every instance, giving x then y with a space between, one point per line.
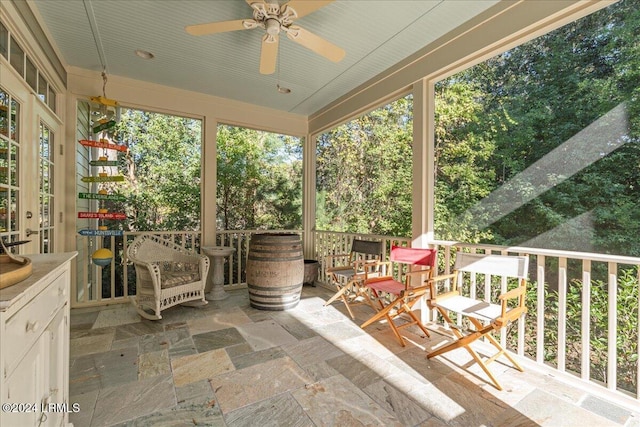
272 25
144 54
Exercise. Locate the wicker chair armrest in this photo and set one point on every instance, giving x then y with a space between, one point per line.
152 268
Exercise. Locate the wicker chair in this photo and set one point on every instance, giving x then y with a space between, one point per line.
166 275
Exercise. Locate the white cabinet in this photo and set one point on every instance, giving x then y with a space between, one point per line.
34 345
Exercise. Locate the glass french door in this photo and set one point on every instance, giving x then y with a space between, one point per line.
30 137
43 192
10 151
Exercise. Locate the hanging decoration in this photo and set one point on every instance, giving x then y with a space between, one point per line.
104 119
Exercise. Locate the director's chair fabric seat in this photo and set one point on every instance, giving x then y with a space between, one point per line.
484 317
404 294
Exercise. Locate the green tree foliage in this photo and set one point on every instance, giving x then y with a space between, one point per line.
162 170
508 114
364 173
259 179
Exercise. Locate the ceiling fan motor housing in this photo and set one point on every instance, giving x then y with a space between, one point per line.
272 25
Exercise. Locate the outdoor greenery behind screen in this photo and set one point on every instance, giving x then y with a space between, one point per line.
535 147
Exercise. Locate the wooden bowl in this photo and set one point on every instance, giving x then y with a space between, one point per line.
14 270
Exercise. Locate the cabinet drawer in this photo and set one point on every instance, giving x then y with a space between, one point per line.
24 328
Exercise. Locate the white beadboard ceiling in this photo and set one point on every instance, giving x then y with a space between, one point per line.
375 35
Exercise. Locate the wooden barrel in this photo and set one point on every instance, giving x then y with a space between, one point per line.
275 270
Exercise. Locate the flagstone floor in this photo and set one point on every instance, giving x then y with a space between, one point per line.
227 364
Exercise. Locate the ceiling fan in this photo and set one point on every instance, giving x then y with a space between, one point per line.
273 18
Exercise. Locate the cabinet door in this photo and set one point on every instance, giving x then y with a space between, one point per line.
57 359
26 387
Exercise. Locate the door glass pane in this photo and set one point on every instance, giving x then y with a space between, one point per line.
4 113
32 75
17 57
14 120
14 221
46 188
4 208
13 164
42 88
51 100
4 161
4 40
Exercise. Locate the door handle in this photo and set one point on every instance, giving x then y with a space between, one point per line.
30 232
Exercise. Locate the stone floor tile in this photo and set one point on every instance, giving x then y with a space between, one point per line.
214 321
292 325
138 329
397 403
340 331
177 352
178 337
195 367
126 343
480 407
543 409
127 401
154 363
87 403
258 382
90 344
181 416
122 315
83 376
217 339
312 350
337 402
196 393
255 357
319 371
415 362
354 370
117 367
153 342
265 334
279 411
83 317
606 409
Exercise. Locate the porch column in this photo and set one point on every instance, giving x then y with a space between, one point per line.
423 172
423 163
208 182
309 195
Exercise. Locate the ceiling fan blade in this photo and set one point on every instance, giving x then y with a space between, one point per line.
305 7
316 43
220 27
268 54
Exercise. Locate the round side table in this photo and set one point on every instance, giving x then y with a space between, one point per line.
215 289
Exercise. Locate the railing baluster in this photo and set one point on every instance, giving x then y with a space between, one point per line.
562 313
585 368
540 311
612 343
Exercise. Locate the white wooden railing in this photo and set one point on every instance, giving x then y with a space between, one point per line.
546 336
